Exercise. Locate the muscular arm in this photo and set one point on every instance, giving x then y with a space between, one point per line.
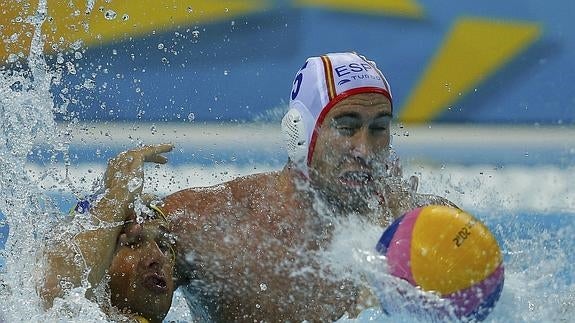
86 256
239 247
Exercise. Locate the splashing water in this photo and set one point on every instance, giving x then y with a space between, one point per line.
27 119
539 284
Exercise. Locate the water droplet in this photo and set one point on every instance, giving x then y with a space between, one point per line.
76 45
13 38
71 68
226 72
89 84
78 55
12 58
90 6
160 46
190 9
125 17
110 14
263 287
134 184
191 116
196 33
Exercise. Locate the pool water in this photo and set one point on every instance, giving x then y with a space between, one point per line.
536 238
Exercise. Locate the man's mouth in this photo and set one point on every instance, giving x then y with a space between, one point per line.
156 283
355 178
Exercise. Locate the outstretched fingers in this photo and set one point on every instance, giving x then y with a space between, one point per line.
152 153
129 164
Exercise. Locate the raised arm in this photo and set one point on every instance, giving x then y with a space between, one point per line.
85 257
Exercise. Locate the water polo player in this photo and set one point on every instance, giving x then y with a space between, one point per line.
128 253
247 246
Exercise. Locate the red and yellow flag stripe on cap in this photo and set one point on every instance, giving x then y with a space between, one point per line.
328 72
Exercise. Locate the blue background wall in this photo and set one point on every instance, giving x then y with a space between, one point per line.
462 61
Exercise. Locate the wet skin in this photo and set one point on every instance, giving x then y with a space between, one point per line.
141 272
249 243
351 149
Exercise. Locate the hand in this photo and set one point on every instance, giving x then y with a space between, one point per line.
124 177
398 193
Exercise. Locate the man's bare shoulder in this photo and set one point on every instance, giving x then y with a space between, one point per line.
255 182
229 193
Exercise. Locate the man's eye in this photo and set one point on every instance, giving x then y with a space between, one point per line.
378 128
346 129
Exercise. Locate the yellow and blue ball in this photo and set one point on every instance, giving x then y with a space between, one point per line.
446 250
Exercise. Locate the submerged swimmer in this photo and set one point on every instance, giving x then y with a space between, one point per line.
130 258
141 277
247 248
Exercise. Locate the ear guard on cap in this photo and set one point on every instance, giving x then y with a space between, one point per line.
295 136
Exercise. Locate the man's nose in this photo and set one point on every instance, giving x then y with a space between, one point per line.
360 147
155 258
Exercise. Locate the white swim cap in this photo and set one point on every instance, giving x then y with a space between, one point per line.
321 83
